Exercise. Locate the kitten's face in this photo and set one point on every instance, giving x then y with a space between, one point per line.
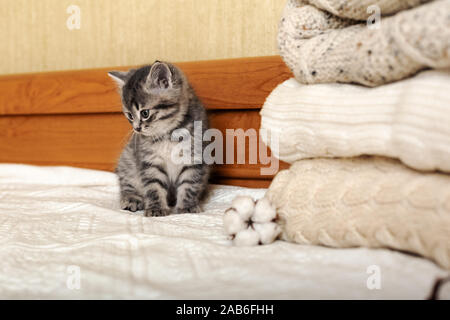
154 98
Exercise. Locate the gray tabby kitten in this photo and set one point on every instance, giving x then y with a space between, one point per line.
157 99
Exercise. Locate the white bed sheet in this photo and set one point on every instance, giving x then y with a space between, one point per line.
55 221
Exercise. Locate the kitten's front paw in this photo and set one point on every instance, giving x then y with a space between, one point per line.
193 209
157 212
132 204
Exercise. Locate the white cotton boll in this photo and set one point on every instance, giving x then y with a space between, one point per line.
264 211
267 232
247 237
232 222
244 205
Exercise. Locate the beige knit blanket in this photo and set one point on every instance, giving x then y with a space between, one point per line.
346 41
371 202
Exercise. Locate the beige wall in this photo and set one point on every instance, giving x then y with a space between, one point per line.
34 36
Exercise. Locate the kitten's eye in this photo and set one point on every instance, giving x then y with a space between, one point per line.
145 114
129 116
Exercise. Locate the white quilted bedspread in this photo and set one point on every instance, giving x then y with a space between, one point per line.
58 224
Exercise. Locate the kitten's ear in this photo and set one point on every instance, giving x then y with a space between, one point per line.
159 76
119 77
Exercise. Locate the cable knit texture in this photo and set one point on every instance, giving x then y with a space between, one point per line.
409 120
372 202
320 44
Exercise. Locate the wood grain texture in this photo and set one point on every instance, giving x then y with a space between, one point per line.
35 37
221 84
248 183
95 141
74 119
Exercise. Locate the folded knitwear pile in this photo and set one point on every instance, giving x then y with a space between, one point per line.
365 124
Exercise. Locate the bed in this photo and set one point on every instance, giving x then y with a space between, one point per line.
63 235
58 223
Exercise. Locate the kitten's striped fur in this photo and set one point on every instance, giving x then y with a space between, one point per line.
149 179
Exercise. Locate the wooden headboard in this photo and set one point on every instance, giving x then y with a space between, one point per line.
74 118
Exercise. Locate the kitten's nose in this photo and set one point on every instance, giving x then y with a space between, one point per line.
138 129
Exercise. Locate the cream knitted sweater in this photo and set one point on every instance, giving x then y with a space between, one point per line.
408 119
319 42
371 202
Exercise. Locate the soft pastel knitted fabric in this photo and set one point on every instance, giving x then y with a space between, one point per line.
408 119
371 202
320 44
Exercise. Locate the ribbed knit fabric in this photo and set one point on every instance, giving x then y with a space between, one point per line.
409 120
320 47
370 202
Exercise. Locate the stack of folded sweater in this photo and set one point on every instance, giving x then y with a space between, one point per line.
370 156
